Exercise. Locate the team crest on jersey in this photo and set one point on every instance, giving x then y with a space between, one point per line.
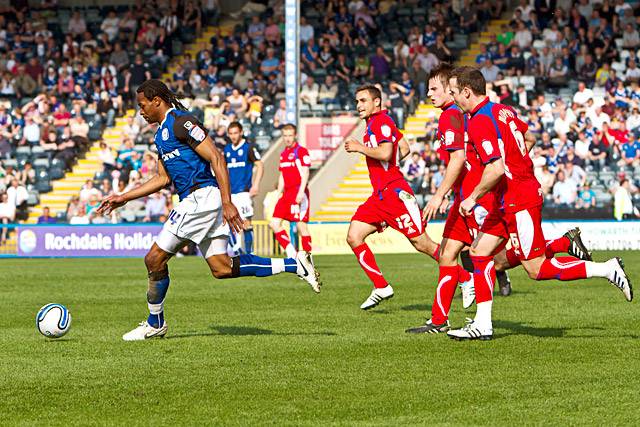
291 156
165 134
240 153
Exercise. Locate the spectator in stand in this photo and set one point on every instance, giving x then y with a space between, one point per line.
380 65
310 92
46 217
630 152
328 91
7 215
623 207
77 25
155 207
80 216
586 197
564 191
88 191
413 170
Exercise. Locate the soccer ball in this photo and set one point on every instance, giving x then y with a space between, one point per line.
53 320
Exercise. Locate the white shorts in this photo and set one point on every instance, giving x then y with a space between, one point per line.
197 218
243 203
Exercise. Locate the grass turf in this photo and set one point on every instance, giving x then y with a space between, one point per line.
269 351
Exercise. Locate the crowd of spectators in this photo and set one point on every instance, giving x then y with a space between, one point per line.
572 74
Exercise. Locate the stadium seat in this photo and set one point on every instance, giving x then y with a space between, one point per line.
33 199
43 186
56 173
41 163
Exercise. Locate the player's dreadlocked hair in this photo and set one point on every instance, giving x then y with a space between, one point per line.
154 87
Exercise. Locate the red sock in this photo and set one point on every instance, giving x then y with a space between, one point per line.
557 246
447 283
368 263
283 239
463 275
562 268
484 277
306 243
512 258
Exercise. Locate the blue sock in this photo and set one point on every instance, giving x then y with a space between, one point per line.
248 240
158 287
252 265
290 265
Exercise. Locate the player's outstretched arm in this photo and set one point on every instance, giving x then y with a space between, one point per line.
156 183
383 152
208 151
454 168
491 176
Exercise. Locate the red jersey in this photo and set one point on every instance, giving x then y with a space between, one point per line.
450 137
292 160
496 132
382 129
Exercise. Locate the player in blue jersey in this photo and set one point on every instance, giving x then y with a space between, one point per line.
187 157
242 157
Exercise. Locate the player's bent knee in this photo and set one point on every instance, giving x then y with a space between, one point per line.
353 240
155 260
220 266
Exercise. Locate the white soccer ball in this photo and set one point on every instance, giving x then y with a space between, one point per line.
53 320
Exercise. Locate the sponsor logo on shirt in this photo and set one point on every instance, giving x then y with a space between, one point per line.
171 155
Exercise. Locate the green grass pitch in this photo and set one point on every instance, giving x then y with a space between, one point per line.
270 351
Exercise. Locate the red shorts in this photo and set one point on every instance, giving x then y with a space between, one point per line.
466 229
395 206
456 226
525 232
287 208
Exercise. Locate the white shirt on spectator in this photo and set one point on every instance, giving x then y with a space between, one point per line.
565 192
633 121
561 125
31 132
598 119
86 193
581 97
110 26
632 74
7 210
306 33
309 94
581 148
77 26
523 38
17 195
79 220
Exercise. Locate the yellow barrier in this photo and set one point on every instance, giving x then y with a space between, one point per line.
330 239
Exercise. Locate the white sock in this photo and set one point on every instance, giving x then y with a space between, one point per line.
291 251
277 265
597 269
483 314
156 308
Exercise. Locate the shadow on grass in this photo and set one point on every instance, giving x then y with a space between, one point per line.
245 331
416 307
516 328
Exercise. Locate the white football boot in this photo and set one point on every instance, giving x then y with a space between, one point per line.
377 296
145 331
468 293
618 277
307 271
471 331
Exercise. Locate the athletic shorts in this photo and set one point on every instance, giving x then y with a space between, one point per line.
287 208
197 218
525 232
395 206
244 204
466 229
